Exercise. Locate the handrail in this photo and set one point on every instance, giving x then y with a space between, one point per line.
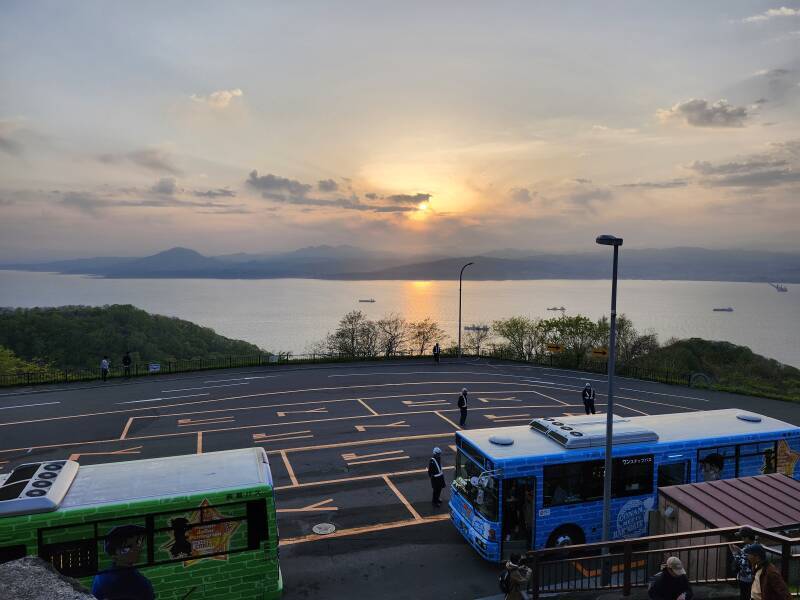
636 554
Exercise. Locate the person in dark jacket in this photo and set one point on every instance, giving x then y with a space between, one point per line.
126 364
767 581
671 583
744 574
436 352
462 405
437 475
518 578
588 398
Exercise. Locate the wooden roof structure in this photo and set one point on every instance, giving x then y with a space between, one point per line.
764 501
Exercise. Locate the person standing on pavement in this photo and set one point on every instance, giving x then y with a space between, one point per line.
588 398
462 405
767 581
671 583
744 574
517 579
436 352
126 363
104 365
437 475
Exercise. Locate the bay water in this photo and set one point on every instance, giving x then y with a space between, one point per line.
283 315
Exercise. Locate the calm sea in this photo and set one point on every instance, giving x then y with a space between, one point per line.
290 314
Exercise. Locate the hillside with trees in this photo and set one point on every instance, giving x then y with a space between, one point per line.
76 337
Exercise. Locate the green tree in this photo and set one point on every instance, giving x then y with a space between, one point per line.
425 333
355 337
523 336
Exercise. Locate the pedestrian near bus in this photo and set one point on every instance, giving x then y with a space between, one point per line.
437 475
767 581
588 398
462 406
518 576
104 365
744 574
671 583
126 363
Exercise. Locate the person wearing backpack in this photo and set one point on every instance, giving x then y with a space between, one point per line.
462 406
514 578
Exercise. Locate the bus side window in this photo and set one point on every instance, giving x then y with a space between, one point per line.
633 475
257 526
674 473
716 463
756 459
573 482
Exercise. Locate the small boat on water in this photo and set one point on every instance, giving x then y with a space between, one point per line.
779 287
728 309
556 308
367 300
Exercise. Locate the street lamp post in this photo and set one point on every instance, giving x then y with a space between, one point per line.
610 240
460 278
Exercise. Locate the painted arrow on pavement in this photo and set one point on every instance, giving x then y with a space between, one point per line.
282 413
363 428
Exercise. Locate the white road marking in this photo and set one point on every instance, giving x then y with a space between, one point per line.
157 399
207 387
241 379
27 405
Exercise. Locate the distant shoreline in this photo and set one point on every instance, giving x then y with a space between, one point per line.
234 277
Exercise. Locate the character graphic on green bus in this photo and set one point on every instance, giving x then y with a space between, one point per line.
123 581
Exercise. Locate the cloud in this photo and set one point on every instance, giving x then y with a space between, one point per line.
414 199
772 13
290 191
778 166
327 185
522 195
699 113
217 193
706 168
164 186
272 184
657 185
7 142
152 159
219 99
84 202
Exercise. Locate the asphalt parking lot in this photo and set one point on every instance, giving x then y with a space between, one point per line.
348 444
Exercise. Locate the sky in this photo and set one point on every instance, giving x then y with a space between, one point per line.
452 127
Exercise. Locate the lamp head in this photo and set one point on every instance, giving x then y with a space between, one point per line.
608 240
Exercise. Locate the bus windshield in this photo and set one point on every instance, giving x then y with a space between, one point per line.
483 498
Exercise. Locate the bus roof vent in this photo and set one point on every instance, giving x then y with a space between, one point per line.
36 487
590 431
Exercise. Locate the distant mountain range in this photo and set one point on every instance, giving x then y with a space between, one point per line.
352 263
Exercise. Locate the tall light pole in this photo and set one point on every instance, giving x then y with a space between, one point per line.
460 278
610 240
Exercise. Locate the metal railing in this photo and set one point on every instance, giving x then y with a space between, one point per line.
49 376
625 564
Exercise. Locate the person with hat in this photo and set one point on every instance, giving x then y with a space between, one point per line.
462 405
671 583
767 581
744 574
436 474
124 544
588 398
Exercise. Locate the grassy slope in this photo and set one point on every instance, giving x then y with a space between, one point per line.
733 368
79 336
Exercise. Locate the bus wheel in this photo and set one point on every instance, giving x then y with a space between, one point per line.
566 535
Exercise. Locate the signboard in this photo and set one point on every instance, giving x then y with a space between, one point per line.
555 348
599 352
154 367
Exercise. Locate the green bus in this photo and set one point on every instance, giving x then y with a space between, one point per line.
181 527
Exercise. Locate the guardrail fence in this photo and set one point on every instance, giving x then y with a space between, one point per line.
626 564
48 376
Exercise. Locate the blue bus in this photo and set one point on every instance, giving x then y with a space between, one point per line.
530 487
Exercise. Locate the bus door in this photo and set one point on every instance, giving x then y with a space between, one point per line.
674 472
519 497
